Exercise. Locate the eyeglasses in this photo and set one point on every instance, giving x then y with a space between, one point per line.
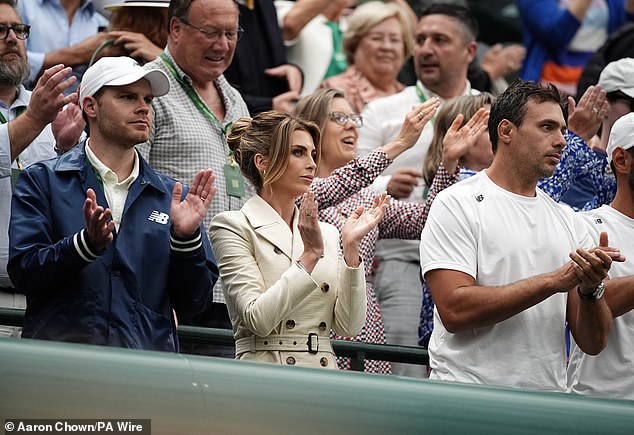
342 119
21 31
213 34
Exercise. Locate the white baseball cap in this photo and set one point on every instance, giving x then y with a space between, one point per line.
621 135
618 76
120 71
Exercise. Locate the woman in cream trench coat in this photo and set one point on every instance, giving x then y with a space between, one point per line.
285 279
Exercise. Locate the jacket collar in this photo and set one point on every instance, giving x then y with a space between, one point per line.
75 161
270 225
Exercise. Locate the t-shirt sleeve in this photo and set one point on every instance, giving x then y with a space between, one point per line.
448 240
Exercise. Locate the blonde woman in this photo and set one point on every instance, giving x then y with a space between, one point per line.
286 280
376 44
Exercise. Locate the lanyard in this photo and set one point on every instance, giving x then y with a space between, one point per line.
194 97
3 120
420 93
200 104
423 98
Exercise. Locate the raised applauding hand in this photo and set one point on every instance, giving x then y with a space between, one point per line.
360 223
188 214
460 138
585 117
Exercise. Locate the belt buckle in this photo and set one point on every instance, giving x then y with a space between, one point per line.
313 348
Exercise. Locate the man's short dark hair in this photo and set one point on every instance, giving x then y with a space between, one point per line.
511 104
462 14
12 3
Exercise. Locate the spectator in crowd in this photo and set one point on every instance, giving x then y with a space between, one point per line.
285 281
444 45
611 373
448 121
561 35
64 32
312 32
507 266
137 29
192 121
577 159
376 43
491 67
598 186
24 139
260 70
337 120
104 247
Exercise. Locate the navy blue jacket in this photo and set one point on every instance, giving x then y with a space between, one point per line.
121 297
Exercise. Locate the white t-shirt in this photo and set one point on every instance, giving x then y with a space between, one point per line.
610 373
498 237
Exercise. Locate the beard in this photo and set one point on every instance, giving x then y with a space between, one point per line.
14 72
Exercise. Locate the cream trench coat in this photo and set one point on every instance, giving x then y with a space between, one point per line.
273 302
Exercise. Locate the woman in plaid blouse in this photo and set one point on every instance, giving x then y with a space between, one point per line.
403 220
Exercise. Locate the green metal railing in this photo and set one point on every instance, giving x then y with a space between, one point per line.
357 351
189 394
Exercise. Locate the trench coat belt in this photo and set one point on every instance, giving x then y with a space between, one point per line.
311 343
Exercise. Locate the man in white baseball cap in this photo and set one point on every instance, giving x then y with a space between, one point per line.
611 373
104 247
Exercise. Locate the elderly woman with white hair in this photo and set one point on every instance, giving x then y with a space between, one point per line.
376 44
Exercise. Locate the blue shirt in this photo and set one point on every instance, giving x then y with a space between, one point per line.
51 31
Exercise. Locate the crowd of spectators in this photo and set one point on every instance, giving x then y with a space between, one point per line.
301 170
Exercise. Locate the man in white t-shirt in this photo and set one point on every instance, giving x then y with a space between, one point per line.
611 373
507 266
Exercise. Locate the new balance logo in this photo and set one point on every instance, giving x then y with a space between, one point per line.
158 217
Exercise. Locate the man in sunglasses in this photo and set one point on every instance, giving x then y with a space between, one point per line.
25 132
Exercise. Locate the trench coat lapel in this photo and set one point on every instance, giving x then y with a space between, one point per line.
268 224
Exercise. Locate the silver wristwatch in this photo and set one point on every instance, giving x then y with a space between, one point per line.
595 295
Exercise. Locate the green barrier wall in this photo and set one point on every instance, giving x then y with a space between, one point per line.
185 394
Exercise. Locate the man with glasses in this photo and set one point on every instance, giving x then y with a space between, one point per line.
25 133
192 121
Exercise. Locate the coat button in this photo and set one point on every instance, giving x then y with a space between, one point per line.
290 361
323 361
290 323
277 250
322 326
325 287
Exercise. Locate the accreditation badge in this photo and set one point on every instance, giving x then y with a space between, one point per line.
234 181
